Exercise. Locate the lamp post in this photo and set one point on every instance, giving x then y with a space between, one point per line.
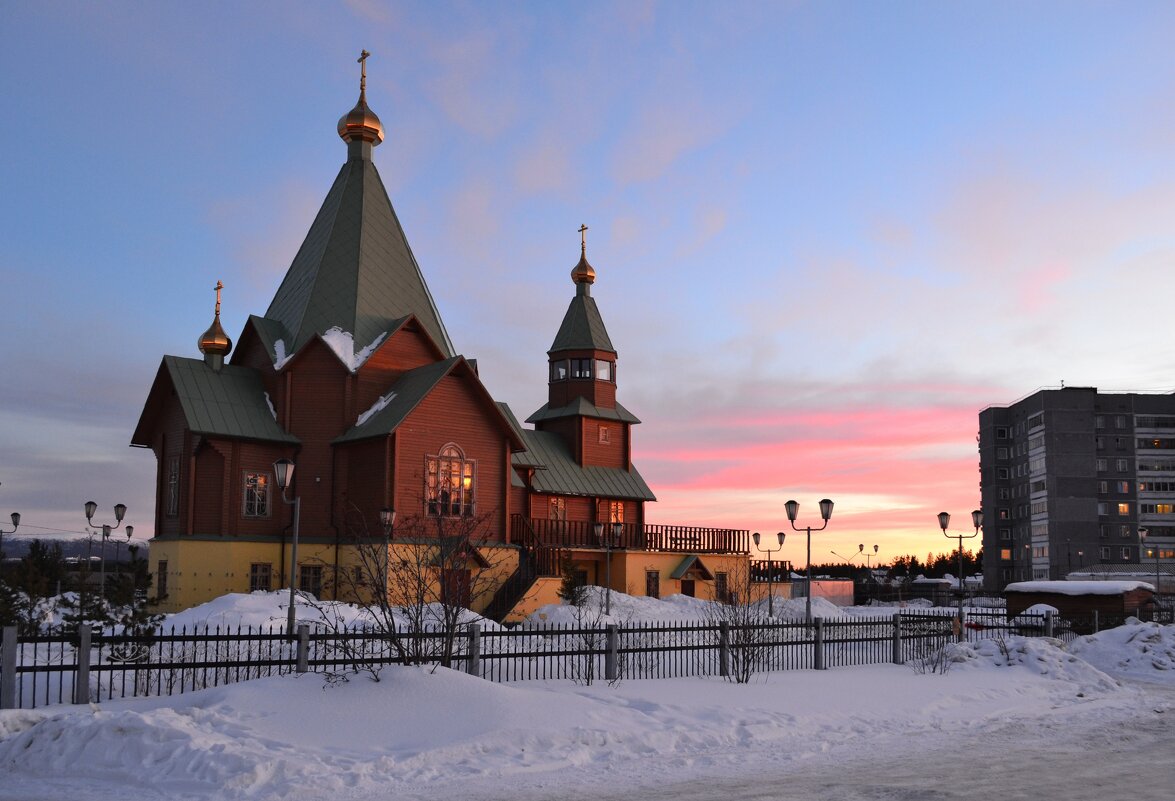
283 470
119 513
770 590
1028 561
793 509
117 545
387 519
15 526
1142 535
944 520
608 542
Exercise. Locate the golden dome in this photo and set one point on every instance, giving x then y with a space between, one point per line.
361 122
215 341
583 273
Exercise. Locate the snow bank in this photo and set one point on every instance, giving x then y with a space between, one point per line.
1136 650
1078 587
673 608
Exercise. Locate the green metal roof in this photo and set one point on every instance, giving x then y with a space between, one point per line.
558 473
229 402
582 407
269 332
582 327
355 269
687 563
411 388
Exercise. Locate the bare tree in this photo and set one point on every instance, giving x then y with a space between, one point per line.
419 588
749 631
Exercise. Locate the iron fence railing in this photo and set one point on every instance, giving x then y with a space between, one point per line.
88 666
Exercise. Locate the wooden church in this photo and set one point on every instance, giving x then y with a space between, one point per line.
351 375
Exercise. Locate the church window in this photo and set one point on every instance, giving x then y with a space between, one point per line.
581 368
256 494
604 435
559 370
558 508
449 483
173 486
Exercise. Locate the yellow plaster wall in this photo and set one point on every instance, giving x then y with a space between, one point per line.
545 591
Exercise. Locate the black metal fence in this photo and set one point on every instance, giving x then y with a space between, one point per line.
86 666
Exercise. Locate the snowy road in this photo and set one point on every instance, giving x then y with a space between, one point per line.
1074 754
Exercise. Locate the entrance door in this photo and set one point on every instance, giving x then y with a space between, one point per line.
687 587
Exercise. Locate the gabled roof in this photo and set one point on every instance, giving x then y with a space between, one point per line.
409 390
582 407
355 269
582 327
557 472
688 563
229 402
406 394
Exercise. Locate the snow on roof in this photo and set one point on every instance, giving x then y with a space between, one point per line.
1079 587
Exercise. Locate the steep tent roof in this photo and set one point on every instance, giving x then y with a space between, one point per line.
582 407
229 402
582 327
355 269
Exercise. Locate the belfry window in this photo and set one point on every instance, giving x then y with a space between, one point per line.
559 370
581 368
605 370
449 483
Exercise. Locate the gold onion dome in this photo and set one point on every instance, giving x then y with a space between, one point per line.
583 273
215 341
361 122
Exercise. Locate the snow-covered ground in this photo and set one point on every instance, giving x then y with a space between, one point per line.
1019 720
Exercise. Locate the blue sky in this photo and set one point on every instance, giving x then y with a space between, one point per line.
826 235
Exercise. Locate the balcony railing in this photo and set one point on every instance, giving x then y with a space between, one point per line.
633 536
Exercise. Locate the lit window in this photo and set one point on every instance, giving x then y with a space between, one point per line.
611 511
1124 487
449 483
558 508
256 494
1123 510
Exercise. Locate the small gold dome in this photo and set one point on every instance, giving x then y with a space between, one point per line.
583 273
214 341
361 123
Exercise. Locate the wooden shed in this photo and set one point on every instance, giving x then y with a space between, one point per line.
1078 599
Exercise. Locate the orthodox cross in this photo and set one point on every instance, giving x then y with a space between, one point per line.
583 237
363 55
219 286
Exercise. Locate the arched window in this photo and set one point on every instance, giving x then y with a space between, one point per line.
449 483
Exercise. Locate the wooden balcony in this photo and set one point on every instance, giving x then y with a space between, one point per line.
633 537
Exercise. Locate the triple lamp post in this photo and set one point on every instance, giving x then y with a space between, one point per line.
944 520
793 509
770 590
106 528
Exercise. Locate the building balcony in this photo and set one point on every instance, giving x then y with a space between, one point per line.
633 536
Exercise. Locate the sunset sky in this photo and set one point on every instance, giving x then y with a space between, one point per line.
826 234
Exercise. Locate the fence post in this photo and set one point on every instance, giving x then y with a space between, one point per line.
723 648
1048 623
818 644
81 681
613 645
1095 622
897 638
8 668
473 661
303 648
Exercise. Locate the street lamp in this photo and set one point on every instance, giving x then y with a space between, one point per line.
1142 535
609 542
793 509
770 591
15 526
106 528
283 470
944 520
130 530
387 519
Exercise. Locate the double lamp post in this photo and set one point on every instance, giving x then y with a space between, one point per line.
793 509
106 528
944 520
